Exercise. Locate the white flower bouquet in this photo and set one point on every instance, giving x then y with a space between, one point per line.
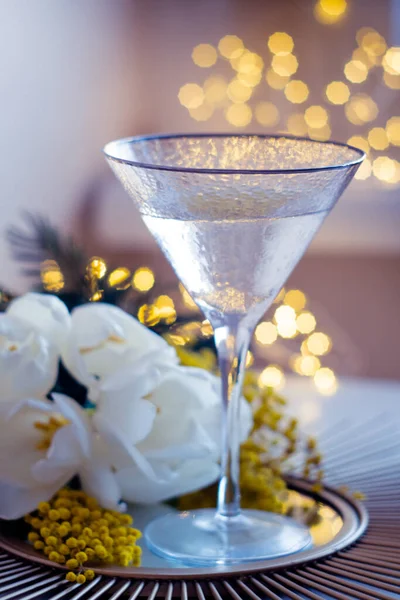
148 432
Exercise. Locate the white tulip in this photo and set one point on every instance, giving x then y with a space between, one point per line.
31 473
184 442
44 313
106 345
28 361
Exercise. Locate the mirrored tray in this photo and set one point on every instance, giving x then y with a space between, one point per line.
334 520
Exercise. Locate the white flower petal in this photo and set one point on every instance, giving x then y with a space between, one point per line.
15 501
10 409
63 458
199 445
45 313
181 400
18 447
101 483
131 416
108 339
141 377
191 476
79 419
75 363
122 452
28 362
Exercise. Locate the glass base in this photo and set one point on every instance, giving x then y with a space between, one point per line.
204 539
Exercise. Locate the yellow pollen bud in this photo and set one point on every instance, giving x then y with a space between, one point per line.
81 557
89 574
43 507
72 563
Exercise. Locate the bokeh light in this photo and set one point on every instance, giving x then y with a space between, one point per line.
202 113
361 109
359 142
296 91
271 376
186 297
316 116
325 381
393 130
250 79
372 43
96 296
396 175
391 81
280 43
191 95
230 46
266 333
267 114
328 12
378 139
280 296
285 317
364 170
361 33
287 330
285 65
337 92
319 343
384 168
51 276
206 329
296 124
296 299
215 89
120 278
204 55
275 81
238 92
143 279
96 267
306 322
166 309
251 62
239 115
356 71
248 63
307 365
285 313
148 315
367 59
391 61
321 134
249 359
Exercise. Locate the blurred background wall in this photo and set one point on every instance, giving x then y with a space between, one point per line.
77 73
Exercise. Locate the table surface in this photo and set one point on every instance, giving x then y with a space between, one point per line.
358 429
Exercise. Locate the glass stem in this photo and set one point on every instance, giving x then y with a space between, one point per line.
232 342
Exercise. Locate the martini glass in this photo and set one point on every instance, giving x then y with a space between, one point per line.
233 214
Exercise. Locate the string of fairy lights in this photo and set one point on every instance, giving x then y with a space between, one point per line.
237 95
292 319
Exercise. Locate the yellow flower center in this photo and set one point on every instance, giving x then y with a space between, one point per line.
48 429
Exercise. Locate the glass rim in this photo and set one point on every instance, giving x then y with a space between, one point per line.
160 167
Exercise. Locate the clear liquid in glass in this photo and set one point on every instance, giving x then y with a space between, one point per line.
234 266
